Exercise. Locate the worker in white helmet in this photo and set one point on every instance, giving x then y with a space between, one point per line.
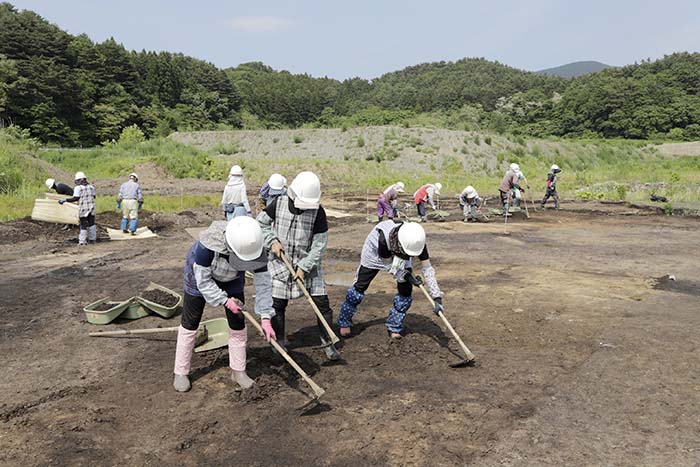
470 202
235 198
517 194
510 181
58 187
424 194
552 187
84 195
215 274
130 201
295 223
391 246
387 203
275 186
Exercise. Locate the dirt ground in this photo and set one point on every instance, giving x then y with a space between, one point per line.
585 356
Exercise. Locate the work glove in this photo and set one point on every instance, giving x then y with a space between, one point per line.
233 305
414 280
119 205
140 205
277 249
249 213
61 201
268 332
300 274
438 308
522 190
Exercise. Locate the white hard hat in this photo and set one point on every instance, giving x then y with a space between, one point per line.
49 183
555 167
438 187
471 192
277 181
400 186
244 236
514 167
236 170
133 174
79 176
305 190
412 238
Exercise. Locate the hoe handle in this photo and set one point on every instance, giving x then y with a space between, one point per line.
467 352
123 332
334 338
315 387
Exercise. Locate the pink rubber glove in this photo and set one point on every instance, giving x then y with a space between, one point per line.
233 305
267 330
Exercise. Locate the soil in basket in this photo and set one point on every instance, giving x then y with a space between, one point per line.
160 297
104 306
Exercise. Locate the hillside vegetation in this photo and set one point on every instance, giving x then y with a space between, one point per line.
574 69
68 90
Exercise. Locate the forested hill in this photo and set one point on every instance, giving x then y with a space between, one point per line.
69 90
66 89
574 69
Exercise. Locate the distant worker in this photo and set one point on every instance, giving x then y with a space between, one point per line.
215 274
517 194
235 198
84 194
272 188
552 187
388 201
130 201
295 224
470 202
510 182
426 193
391 247
60 188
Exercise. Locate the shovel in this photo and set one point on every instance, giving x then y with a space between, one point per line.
318 391
201 337
300 283
470 360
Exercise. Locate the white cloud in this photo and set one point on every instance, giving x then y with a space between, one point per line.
259 23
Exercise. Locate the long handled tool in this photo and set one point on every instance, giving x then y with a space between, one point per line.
505 216
202 333
318 390
527 213
469 361
301 285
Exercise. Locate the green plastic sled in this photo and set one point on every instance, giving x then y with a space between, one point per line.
164 311
106 316
217 330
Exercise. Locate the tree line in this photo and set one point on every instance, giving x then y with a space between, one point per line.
69 90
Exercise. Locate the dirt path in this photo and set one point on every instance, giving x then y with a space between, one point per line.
584 359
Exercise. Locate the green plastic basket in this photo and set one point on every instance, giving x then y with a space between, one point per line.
164 311
107 316
135 310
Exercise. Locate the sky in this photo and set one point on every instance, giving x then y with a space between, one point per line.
344 39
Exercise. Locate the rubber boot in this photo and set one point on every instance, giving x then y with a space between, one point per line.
348 309
236 357
183 358
123 225
132 226
92 234
82 237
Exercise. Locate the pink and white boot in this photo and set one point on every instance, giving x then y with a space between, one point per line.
183 358
236 355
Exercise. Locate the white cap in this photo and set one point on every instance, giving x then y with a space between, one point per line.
235 171
79 176
244 236
133 174
49 183
277 181
514 167
471 192
305 190
412 238
555 167
438 187
400 186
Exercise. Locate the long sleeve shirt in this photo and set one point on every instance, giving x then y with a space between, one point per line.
130 190
235 195
510 180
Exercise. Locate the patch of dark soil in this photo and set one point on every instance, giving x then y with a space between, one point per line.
265 386
104 306
24 229
343 253
674 285
160 297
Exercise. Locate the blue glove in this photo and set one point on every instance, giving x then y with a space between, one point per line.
438 306
119 205
61 201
